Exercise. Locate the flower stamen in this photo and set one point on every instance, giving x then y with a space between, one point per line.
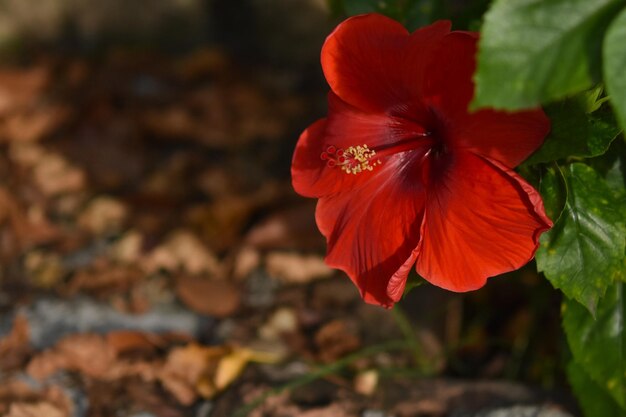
361 158
352 160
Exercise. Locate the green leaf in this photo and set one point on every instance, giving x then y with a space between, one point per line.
612 167
583 253
575 132
616 177
593 399
593 99
552 189
614 55
421 13
535 51
413 281
598 344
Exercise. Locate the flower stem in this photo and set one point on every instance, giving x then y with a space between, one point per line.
403 323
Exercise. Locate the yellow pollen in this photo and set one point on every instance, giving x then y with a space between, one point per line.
359 159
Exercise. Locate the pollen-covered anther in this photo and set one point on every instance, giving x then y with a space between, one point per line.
359 158
353 160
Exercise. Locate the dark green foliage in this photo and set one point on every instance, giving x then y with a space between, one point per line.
615 65
584 252
536 51
576 133
598 343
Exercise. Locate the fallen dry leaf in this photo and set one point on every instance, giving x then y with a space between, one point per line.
294 268
74 353
286 229
103 214
45 268
20 87
54 175
220 116
148 292
193 370
216 298
222 221
246 261
149 397
365 382
15 346
103 279
282 321
336 339
95 356
26 155
145 370
128 248
35 410
186 367
125 341
33 125
231 365
182 252
16 391
26 231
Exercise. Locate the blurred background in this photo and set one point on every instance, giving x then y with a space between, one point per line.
154 260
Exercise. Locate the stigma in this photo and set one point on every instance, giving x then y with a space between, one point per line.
352 160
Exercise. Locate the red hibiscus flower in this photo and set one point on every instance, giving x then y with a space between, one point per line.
405 174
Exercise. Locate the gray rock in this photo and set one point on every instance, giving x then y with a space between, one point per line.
50 319
522 411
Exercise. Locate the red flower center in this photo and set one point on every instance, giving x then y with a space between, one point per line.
360 158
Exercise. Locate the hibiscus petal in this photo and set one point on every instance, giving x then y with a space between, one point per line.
345 126
372 231
397 283
348 125
306 166
372 62
506 137
481 219
509 138
448 86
